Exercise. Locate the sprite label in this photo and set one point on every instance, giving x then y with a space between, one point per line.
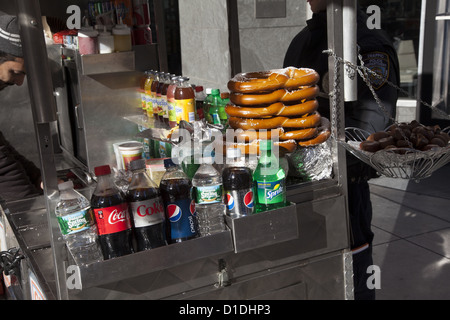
208 194
270 192
75 222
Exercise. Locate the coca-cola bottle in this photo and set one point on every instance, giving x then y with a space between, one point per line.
112 217
146 209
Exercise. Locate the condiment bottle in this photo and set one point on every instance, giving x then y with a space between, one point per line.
122 37
105 41
88 39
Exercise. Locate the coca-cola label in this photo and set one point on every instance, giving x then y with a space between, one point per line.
112 219
147 213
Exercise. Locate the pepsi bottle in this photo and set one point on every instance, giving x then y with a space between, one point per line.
112 216
146 209
238 186
175 188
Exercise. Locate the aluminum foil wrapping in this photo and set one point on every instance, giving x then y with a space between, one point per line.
312 163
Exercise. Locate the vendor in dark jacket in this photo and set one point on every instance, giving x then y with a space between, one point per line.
19 177
378 54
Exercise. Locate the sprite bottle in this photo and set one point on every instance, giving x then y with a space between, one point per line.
269 180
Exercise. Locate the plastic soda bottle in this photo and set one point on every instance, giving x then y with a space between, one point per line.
224 100
214 117
142 92
148 103
159 97
154 89
112 216
207 105
146 208
269 180
171 101
200 97
164 100
175 188
237 185
185 101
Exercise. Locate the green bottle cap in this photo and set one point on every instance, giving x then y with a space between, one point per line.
265 145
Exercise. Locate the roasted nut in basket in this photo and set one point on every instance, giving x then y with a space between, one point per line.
370 146
411 135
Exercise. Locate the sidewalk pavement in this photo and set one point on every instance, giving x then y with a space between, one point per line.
411 222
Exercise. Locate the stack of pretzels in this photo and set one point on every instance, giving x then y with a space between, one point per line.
283 100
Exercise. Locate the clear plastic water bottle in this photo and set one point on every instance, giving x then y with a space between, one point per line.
208 196
77 225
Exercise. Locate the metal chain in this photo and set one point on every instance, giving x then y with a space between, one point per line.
364 72
335 96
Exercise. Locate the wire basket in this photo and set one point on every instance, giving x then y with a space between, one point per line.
408 164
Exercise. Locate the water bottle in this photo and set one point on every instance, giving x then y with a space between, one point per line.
77 225
208 196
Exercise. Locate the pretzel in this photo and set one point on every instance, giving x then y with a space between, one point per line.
320 138
280 95
257 99
263 81
301 77
302 134
251 135
308 121
302 93
324 133
254 82
253 147
275 109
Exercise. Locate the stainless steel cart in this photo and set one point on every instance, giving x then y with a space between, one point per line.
298 252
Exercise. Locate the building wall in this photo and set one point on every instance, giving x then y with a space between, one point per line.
205 52
264 42
205 39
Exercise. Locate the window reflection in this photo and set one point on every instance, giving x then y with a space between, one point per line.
401 20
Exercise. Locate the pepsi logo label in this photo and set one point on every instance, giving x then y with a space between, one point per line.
174 213
192 207
230 201
248 200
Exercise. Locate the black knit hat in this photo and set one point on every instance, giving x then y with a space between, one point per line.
9 35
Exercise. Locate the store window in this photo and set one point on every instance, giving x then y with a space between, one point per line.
401 20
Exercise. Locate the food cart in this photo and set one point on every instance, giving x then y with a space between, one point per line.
298 252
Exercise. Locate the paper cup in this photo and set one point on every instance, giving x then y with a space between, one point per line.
130 151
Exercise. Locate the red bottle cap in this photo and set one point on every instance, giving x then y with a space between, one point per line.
102 170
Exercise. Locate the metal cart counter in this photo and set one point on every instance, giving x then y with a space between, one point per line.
298 252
